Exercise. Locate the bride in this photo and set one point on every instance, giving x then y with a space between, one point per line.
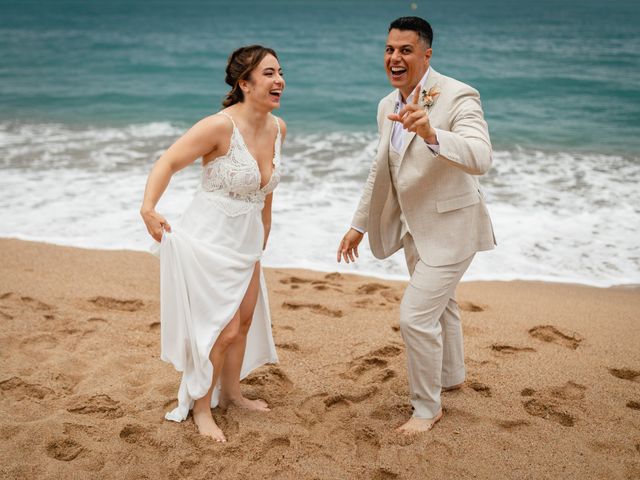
215 323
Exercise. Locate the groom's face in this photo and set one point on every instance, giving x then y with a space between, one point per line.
406 59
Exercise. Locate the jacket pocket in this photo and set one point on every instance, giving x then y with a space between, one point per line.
455 203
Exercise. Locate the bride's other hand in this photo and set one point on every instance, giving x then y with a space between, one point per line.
155 223
348 248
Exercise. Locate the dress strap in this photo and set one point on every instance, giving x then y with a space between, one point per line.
229 117
277 123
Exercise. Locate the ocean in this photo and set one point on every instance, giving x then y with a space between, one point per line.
92 92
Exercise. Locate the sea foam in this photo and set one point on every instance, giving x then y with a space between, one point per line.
559 216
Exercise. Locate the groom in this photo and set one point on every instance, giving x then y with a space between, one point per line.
422 195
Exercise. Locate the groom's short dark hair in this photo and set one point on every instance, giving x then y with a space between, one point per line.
416 24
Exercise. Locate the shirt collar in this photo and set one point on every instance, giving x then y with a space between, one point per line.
399 101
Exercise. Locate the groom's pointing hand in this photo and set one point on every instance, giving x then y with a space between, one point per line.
414 118
348 248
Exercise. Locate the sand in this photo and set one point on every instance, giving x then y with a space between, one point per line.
552 391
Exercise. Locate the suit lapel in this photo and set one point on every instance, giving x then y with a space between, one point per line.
385 137
432 79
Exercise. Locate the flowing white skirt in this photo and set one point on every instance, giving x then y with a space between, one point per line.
206 264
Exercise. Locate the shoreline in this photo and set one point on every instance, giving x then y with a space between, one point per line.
390 277
552 387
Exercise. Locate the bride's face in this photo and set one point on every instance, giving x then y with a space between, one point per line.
266 83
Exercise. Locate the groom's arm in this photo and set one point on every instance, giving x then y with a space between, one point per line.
361 217
467 145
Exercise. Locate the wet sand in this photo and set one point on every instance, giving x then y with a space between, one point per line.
552 391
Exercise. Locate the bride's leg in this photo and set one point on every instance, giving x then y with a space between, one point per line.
202 406
230 380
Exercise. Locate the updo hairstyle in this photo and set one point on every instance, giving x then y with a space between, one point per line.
239 67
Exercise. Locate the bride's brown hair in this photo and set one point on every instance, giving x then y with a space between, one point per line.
239 67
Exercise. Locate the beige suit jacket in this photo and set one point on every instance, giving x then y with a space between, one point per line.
438 193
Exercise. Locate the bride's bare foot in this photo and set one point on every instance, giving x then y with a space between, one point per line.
257 405
418 425
207 425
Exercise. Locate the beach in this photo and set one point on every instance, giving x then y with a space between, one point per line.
552 388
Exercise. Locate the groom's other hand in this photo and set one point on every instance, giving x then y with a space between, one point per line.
348 248
415 119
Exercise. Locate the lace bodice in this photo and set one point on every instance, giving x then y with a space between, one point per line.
233 180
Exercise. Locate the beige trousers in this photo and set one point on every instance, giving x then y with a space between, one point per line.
431 329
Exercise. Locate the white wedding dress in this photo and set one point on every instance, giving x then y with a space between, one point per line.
206 264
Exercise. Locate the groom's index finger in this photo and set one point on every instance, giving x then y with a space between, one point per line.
416 95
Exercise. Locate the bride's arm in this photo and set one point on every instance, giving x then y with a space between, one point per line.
203 139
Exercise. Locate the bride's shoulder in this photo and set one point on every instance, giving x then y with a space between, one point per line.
217 124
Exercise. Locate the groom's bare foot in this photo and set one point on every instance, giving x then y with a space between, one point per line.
207 425
257 405
418 425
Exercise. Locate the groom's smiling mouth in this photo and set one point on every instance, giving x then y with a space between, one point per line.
397 72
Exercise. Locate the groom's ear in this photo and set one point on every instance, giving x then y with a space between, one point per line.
427 54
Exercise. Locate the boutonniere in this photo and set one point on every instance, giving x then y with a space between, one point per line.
428 98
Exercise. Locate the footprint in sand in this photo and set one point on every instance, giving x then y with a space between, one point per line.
367 444
66 382
550 334
64 449
290 346
312 408
19 389
116 304
35 304
139 435
624 373
186 467
556 403
363 303
467 306
370 288
314 307
538 408
510 425
481 388
333 276
97 320
510 349
12 301
273 448
101 405
633 405
271 376
77 429
391 296
348 398
295 280
376 360
131 433
389 412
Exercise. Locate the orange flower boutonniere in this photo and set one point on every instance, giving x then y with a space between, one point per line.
428 98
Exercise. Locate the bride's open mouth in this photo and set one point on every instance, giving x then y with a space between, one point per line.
275 94
397 72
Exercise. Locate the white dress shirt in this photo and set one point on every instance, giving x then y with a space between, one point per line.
398 131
